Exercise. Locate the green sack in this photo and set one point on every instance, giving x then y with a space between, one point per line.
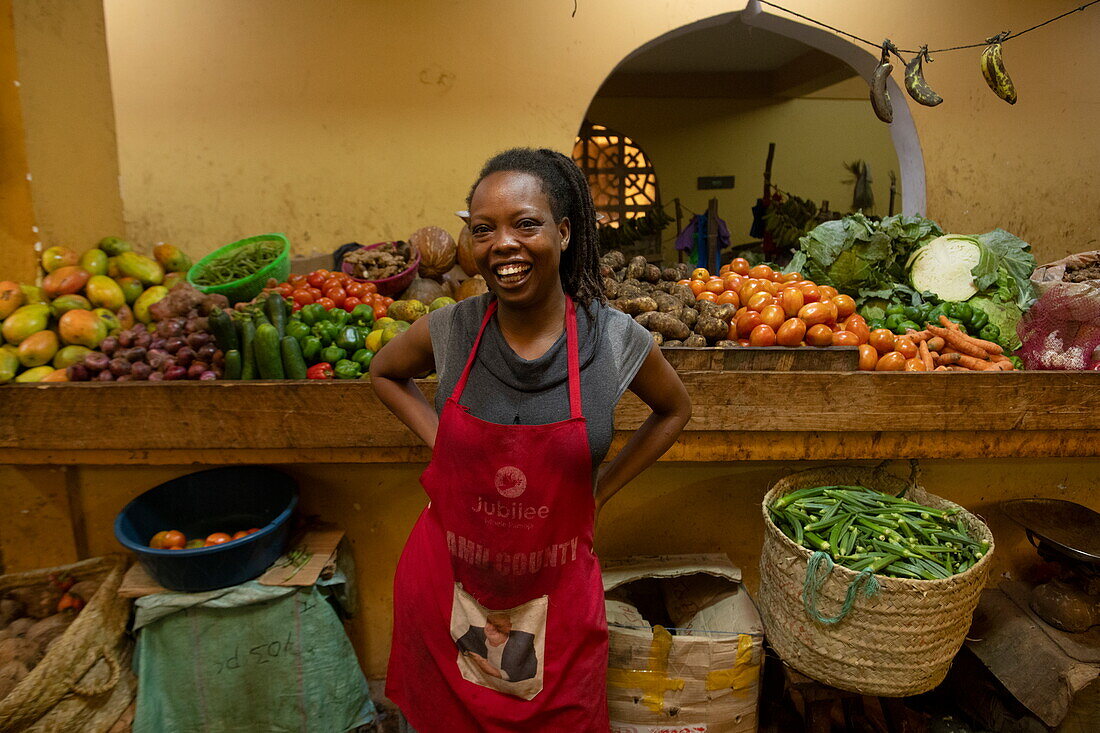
243 659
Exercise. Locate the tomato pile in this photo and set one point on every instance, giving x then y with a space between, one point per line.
173 539
781 309
332 290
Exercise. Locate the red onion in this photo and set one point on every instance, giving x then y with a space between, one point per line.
78 373
123 378
196 369
126 338
207 376
156 377
105 376
198 339
143 339
96 361
185 356
119 367
135 354
140 370
206 353
174 372
109 345
173 345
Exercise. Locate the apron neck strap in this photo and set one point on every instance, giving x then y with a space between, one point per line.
572 350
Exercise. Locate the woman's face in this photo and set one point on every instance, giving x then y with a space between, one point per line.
516 243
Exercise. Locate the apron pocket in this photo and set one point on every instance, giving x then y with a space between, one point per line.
501 650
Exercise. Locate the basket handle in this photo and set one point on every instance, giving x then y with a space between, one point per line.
812 586
915 473
115 672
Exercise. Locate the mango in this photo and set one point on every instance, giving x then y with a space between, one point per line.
65 281
11 297
150 296
171 258
26 321
82 327
94 261
34 375
109 319
104 292
114 246
37 349
10 348
66 356
125 317
55 258
112 268
173 279
9 365
143 268
33 294
62 304
441 302
58 375
131 288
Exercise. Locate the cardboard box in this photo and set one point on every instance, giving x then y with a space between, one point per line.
692 664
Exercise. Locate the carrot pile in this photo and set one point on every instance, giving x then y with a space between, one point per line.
946 348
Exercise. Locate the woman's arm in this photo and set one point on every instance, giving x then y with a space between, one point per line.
658 385
392 371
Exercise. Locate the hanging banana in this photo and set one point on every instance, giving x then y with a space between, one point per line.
915 83
993 69
880 98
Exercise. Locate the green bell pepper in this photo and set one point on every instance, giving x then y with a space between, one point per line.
895 309
297 329
362 315
346 369
327 331
1017 362
979 319
312 313
311 349
363 357
350 338
906 326
333 354
935 313
961 311
339 316
990 332
912 313
875 325
894 320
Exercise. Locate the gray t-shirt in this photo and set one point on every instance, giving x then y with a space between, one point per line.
507 389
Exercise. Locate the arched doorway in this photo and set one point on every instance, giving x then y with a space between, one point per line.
763 67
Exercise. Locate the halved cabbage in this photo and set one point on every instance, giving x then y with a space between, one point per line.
945 266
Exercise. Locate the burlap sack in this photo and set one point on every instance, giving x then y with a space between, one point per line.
896 643
83 683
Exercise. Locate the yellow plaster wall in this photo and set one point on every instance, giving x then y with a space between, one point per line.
814 137
355 120
69 121
672 508
17 235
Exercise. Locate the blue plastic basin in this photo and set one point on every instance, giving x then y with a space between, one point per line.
198 504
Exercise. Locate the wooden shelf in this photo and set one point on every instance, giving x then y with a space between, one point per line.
737 416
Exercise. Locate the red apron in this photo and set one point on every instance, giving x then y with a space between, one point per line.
499 618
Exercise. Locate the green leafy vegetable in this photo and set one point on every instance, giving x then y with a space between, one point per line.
1011 256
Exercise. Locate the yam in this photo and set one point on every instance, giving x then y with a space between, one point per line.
636 268
711 328
38 601
689 316
10 610
669 343
19 650
695 341
670 274
664 324
636 306
666 303
48 629
657 338
11 674
614 259
651 274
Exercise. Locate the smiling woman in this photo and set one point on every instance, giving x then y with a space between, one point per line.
528 381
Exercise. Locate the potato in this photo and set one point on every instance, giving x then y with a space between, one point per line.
48 629
611 288
614 259
727 344
725 313
695 341
684 293
620 275
670 274
20 650
689 316
672 342
664 324
636 268
630 291
666 303
685 270
665 286
711 328
635 306
652 274
11 674
607 271
39 601
10 610
657 338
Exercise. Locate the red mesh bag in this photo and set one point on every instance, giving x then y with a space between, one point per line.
1062 328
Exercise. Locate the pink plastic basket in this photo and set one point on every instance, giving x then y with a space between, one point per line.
391 287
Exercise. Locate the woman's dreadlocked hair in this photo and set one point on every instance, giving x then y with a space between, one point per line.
567 189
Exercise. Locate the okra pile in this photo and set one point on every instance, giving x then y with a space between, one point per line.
863 529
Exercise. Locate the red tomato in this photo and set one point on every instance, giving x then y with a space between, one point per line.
707 295
303 297
743 342
905 346
739 265
845 306
791 332
729 296
350 303
239 535
890 362
762 335
748 289
295 306
761 272
828 292
882 339
845 338
723 269
332 282
868 358
815 313
387 300
697 286
915 365
811 293
326 302
700 273
792 300
317 293
336 295
355 289
370 287
792 277
732 281
746 322
714 285
759 301
317 278
773 317
858 326
380 310
296 281
819 335
284 289
218 538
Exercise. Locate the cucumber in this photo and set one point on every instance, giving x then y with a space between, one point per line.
232 364
248 356
294 364
276 311
221 325
269 362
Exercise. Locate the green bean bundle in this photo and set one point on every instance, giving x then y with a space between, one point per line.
864 529
239 263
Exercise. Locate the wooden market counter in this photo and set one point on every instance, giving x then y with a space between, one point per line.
737 416
71 455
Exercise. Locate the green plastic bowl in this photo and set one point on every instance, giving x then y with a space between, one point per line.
249 287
